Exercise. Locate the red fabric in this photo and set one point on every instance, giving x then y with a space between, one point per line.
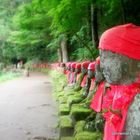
96 102
69 64
92 84
122 39
118 97
78 66
65 72
85 64
68 76
71 77
97 62
91 66
84 81
78 75
73 65
123 97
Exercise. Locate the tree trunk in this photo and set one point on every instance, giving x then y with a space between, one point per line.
94 24
123 12
59 52
64 50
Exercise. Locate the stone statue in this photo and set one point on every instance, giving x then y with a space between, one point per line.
120 63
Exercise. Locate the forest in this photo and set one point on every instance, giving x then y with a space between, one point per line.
59 30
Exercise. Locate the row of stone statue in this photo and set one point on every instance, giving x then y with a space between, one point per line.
111 83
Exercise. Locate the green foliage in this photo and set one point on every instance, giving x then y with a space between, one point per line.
4 76
66 18
35 29
88 136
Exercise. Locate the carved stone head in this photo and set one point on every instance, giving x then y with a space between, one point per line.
119 69
120 54
98 74
84 67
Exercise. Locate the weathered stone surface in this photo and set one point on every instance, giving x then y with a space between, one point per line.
119 69
98 74
133 120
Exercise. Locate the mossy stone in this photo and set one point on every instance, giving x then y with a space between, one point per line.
78 112
66 127
74 99
62 99
64 109
88 136
79 127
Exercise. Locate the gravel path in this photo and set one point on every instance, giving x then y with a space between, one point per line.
27 111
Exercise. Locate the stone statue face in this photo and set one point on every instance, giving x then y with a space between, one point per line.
119 69
98 74
83 70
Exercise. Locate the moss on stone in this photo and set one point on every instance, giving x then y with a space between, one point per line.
62 99
65 121
79 127
88 136
78 112
64 109
65 126
57 95
68 93
74 99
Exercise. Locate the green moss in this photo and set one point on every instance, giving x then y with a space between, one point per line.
74 99
68 93
88 136
79 127
64 109
62 99
78 112
59 80
65 121
56 95
66 127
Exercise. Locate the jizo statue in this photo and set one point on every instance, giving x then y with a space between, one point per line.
120 64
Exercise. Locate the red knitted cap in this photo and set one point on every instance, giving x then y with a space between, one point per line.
91 66
122 39
85 64
73 65
78 66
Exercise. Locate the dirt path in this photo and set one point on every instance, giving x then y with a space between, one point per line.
27 111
